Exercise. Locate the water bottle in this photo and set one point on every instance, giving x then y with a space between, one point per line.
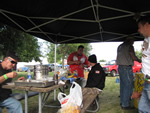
29 76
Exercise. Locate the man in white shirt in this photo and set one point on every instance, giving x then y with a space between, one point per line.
144 96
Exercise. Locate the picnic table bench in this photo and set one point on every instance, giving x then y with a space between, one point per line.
20 96
89 95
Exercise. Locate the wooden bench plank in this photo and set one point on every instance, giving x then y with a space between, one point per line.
89 95
87 101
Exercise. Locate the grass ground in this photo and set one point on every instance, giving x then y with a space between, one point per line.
109 100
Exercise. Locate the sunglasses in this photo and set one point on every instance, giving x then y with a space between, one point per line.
13 62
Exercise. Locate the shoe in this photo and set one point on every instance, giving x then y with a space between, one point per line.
128 108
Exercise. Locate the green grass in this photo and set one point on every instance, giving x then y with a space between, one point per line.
109 100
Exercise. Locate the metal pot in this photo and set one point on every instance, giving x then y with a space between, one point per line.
41 72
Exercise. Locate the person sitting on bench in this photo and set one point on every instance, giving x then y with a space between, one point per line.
96 76
6 75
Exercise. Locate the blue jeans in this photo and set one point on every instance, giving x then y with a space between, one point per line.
12 105
126 84
144 102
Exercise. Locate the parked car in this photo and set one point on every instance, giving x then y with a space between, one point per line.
52 66
111 67
65 66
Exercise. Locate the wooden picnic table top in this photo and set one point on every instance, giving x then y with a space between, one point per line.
36 89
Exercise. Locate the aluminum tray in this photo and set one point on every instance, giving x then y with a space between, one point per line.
34 83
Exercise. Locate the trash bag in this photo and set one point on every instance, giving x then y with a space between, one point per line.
71 103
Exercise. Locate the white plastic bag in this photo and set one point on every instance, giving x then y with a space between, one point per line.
75 96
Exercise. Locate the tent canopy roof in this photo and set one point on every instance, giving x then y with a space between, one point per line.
75 21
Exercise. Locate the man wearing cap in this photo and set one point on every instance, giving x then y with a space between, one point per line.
125 61
6 75
96 76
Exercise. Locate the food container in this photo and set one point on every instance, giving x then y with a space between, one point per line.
41 72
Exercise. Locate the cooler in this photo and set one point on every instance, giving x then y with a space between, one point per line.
138 85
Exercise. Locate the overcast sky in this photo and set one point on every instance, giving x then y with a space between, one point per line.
106 50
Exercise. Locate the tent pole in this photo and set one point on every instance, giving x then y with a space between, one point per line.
55 73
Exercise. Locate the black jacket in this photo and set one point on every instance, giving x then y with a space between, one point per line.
96 77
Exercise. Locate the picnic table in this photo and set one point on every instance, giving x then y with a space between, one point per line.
35 89
89 95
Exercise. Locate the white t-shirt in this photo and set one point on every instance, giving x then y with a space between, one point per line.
146 56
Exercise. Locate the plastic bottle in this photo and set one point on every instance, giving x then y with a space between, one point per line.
29 76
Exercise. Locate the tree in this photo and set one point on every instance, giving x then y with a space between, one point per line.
139 53
102 60
24 44
30 49
64 50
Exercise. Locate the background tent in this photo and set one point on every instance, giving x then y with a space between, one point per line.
75 21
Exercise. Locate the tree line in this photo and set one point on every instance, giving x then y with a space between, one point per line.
28 48
25 45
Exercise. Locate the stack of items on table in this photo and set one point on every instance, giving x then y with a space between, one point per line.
66 75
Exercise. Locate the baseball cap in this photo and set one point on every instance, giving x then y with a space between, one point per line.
13 55
92 58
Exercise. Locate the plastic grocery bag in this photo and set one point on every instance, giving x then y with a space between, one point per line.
71 103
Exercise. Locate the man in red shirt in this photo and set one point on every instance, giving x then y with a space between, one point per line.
77 60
